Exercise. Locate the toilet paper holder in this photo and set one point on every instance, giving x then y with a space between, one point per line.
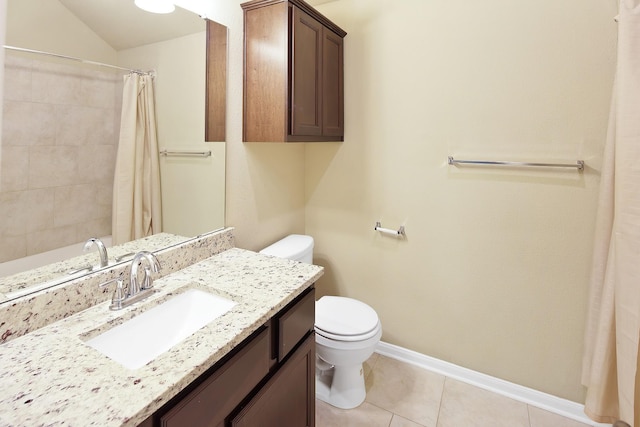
398 232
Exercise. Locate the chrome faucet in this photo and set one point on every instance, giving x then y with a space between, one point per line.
123 297
102 250
153 266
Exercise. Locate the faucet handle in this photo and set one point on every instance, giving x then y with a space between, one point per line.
119 294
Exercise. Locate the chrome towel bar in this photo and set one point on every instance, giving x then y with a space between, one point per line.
186 153
577 165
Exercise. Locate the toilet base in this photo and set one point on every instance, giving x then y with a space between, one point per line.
341 386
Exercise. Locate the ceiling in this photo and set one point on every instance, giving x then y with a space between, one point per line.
122 25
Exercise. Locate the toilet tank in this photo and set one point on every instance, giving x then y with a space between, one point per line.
297 247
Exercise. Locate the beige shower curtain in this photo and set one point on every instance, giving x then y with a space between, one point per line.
610 363
136 187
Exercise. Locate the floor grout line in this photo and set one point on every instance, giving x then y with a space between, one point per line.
444 385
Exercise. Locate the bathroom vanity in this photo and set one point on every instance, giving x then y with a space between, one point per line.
255 362
267 380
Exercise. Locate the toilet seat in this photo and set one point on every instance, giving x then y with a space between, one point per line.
345 319
338 337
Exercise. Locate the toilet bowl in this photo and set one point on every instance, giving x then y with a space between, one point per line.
347 332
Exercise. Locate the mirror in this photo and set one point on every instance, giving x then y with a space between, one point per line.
61 120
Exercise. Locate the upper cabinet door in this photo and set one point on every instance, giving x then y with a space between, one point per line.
266 41
332 84
306 92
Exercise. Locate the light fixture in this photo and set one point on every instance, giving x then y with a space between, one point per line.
156 6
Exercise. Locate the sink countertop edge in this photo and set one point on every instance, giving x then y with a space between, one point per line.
51 376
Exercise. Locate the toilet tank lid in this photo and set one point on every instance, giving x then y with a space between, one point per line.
345 316
291 247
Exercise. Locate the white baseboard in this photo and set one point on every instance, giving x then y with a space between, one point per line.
548 402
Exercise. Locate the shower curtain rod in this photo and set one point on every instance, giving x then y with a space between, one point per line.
84 61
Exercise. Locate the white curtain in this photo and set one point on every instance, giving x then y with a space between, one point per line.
610 363
136 187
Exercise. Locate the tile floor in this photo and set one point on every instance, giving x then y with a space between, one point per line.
403 395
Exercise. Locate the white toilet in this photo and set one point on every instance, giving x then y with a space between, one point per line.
347 332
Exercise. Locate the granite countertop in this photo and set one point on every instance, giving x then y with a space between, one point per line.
51 377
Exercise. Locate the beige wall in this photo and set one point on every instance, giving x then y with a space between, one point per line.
493 272
264 182
492 275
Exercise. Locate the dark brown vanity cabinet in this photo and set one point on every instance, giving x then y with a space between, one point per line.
267 380
293 73
285 399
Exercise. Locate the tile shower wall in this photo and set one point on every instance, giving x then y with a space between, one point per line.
59 143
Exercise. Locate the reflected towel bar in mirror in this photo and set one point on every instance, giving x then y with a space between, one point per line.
577 165
186 153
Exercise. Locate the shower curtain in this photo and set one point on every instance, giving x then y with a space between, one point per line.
610 362
136 187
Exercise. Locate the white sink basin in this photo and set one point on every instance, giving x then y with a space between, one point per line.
143 338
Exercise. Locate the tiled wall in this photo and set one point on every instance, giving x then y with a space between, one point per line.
59 142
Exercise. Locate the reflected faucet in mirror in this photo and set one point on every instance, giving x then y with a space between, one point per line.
102 250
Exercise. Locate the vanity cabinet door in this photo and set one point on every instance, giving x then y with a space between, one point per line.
288 398
210 402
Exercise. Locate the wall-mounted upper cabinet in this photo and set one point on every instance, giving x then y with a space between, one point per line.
293 73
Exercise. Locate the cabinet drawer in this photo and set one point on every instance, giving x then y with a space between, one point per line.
215 398
295 322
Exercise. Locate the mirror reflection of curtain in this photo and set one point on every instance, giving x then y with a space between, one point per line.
610 363
136 186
